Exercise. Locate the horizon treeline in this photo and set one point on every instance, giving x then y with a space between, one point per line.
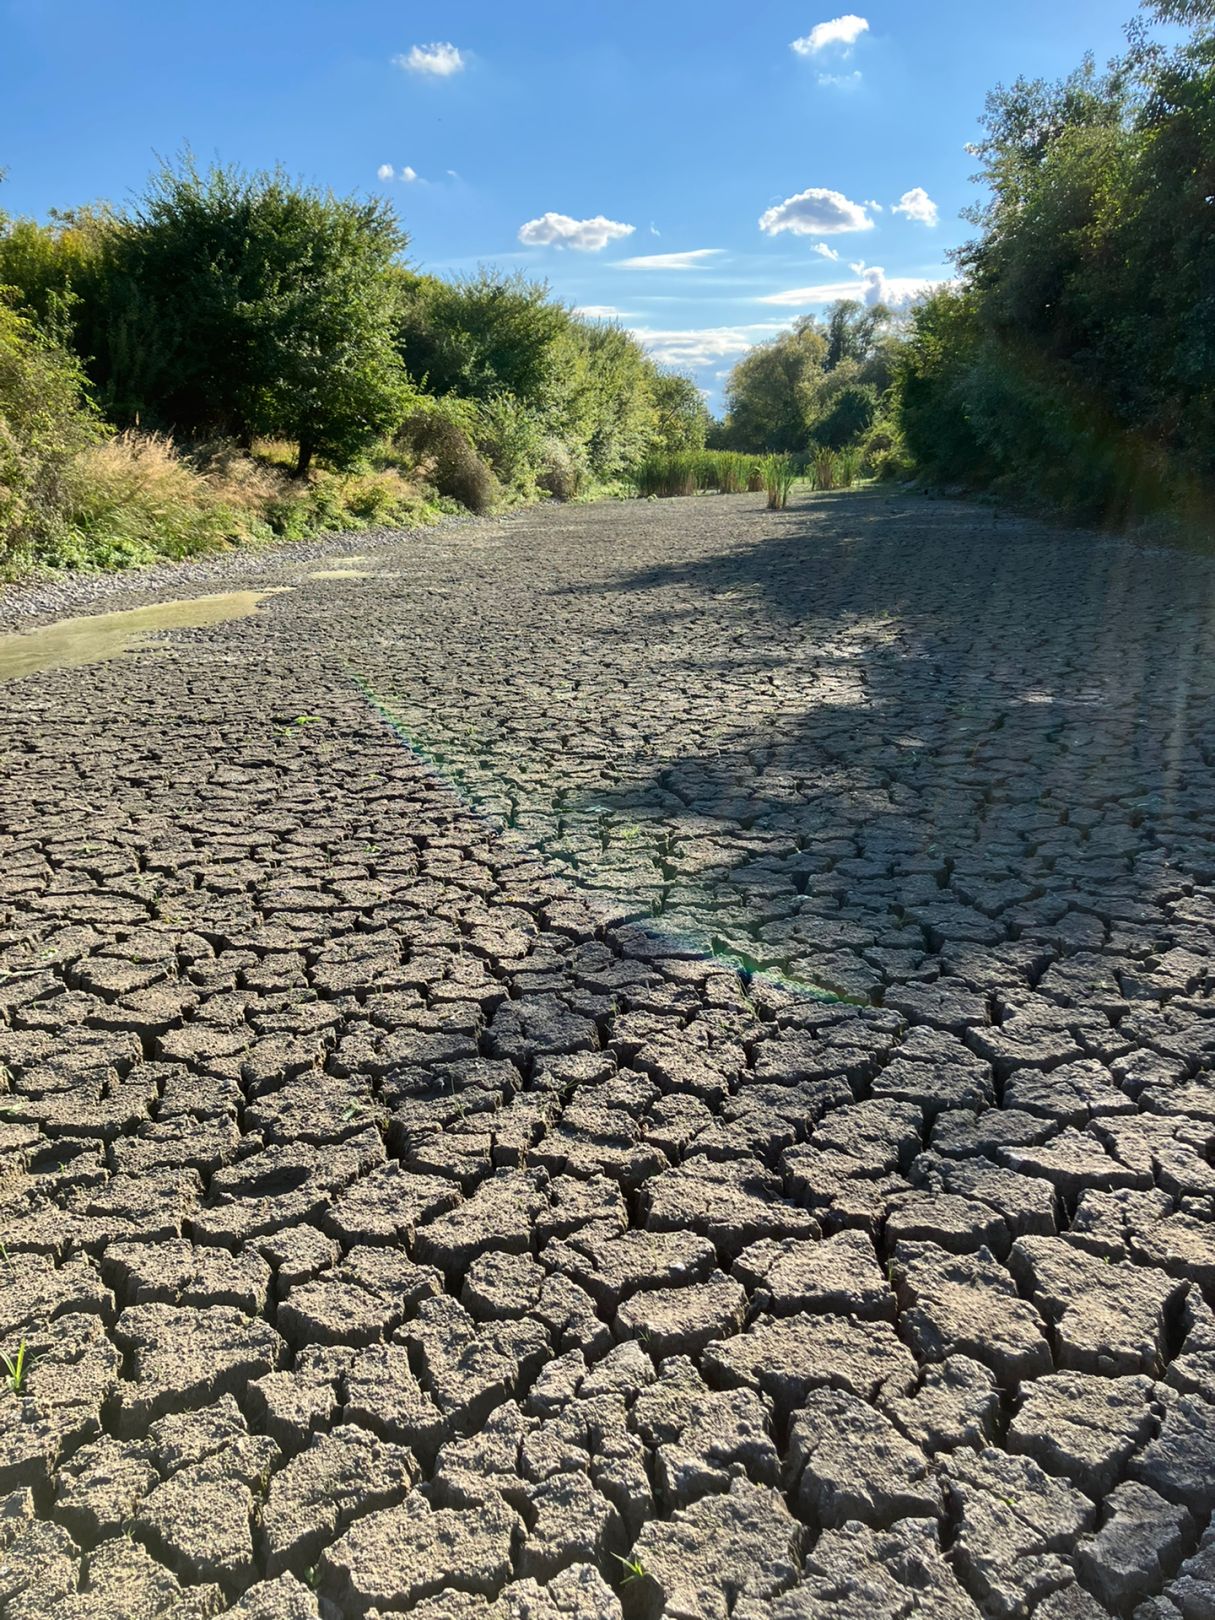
231 329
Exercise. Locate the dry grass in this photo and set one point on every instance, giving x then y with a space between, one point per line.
135 497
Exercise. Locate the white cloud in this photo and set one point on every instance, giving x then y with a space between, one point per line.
585 235
695 259
827 293
827 252
817 212
840 31
840 81
700 346
439 60
384 172
874 206
409 174
872 286
601 312
916 204
897 292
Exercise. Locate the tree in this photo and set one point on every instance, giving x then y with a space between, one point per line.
483 335
852 331
1077 361
849 417
682 418
1186 12
771 393
240 304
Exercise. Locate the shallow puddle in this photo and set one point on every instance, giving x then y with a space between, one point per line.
99 636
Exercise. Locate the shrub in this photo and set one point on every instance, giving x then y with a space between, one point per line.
45 422
241 304
511 438
446 459
848 466
883 453
558 472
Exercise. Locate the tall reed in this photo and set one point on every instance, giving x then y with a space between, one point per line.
688 472
778 474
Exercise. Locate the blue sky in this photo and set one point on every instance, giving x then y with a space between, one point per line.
688 120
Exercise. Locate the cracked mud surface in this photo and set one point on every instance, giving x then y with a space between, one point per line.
639 1060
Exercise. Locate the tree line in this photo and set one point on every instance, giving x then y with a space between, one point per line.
238 354
227 312
1073 362
1070 363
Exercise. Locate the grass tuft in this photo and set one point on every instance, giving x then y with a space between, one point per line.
778 475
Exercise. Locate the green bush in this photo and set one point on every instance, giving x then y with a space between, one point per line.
232 304
849 417
824 467
778 474
883 452
511 438
46 421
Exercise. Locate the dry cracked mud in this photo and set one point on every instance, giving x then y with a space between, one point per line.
640 1060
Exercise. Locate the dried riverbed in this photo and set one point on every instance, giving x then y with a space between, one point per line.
647 1059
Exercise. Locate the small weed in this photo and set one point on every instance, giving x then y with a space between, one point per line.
634 1569
14 1370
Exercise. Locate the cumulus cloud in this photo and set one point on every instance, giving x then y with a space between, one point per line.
896 292
384 172
695 259
916 204
841 33
584 235
700 346
409 174
600 312
827 252
440 60
817 212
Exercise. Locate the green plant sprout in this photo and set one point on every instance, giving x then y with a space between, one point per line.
14 1370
